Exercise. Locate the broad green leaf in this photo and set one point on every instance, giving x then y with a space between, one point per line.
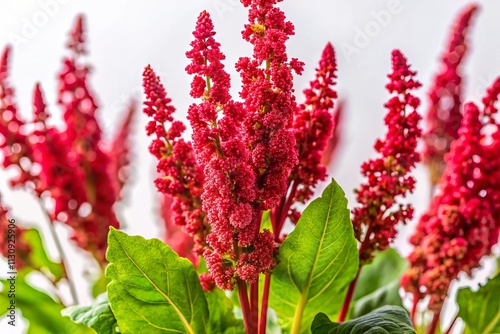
316 263
222 319
480 310
152 289
100 285
386 295
385 320
97 316
388 262
42 313
374 290
37 258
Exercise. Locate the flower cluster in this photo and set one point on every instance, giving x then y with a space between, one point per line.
175 236
444 114
71 167
387 177
14 144
230 194
267 90
180 176
246 152
313 126
120 151
463 220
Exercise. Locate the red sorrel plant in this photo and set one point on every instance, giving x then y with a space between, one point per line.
77 179
239 255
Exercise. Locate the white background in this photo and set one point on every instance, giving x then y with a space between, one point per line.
125 36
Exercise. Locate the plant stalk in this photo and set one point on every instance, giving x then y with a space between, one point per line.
348 298
61 252
265 304
434 323
245 307
254 302
448 331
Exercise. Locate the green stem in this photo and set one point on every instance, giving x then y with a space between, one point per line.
492 324
61 252
299 312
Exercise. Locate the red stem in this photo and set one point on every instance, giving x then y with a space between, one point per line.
245 307
434 323
254 302
414 310
284 210
352 286
265 303
448 331
348 298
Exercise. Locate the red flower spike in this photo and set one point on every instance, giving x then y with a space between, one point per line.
334 141
313 126
39 106
86 159
463 222
179 175
444 114
180 242
269 101
230 188
387 177
120 151
76 41
14 144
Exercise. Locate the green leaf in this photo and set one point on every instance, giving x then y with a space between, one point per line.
266 221
386 295
388 262
152 289
100 285
316 263
385 320
480 310
41 311
374 290
222 319
38 258
97 316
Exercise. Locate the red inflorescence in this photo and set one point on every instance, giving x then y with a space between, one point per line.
175 236
120 151
90 164
268 99
462 223
231 196
313 126
180 176
14 144
387 177
445 110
